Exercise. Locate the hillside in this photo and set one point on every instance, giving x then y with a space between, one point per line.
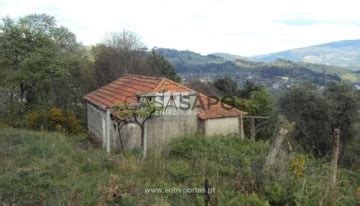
40 168
276 74
340 53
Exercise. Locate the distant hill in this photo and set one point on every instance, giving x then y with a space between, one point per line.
228 57
279 73
340 53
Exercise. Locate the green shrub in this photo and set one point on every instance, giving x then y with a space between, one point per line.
234 198
278 194
33 120
351 156
72 124
244 155
179 170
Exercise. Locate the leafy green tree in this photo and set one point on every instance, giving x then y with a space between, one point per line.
226 85
160 66
253 99
317 113
40 63
344 102
310 111
248 88
259 103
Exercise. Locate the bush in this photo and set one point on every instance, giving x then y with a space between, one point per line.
245 155
278 193
351 157
54 120
179 170
233 198
72 124
297 166
33 120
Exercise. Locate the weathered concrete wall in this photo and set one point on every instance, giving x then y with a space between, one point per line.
163 128
96 123
160 130
129 136
224 126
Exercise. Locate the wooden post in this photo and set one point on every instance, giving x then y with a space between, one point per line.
206 194
107 126
145 141
335 157
275 147
241 127
103 126
252 128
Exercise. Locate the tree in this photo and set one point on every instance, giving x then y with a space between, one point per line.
344 106
161 67
40 62
310 111
204 88
139 114
122 53
118 54
248 88
226 85
258 102
317 114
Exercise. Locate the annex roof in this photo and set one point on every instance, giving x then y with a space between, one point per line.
128 87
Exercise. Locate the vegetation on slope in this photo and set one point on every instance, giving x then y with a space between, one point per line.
340 53
191 64
50 168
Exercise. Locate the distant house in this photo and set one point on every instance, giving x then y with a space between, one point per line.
213 118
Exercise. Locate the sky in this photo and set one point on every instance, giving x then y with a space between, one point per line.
239 27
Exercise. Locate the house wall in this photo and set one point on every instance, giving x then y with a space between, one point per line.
223 126
130 136
96 123
164 128
160 130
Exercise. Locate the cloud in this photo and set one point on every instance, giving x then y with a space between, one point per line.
307 21
206 26
302 22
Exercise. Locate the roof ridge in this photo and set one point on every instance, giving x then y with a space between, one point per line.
180 85
145 76
173 82
159 85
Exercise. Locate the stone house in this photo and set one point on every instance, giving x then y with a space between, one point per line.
205 114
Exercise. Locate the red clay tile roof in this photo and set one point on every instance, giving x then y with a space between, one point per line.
218 110
126 89
123 90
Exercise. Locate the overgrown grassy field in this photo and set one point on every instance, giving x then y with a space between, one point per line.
54 169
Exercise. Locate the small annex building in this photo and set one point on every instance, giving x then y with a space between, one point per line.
212 118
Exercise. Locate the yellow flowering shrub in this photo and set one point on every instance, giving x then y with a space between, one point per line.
297 166
56 118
